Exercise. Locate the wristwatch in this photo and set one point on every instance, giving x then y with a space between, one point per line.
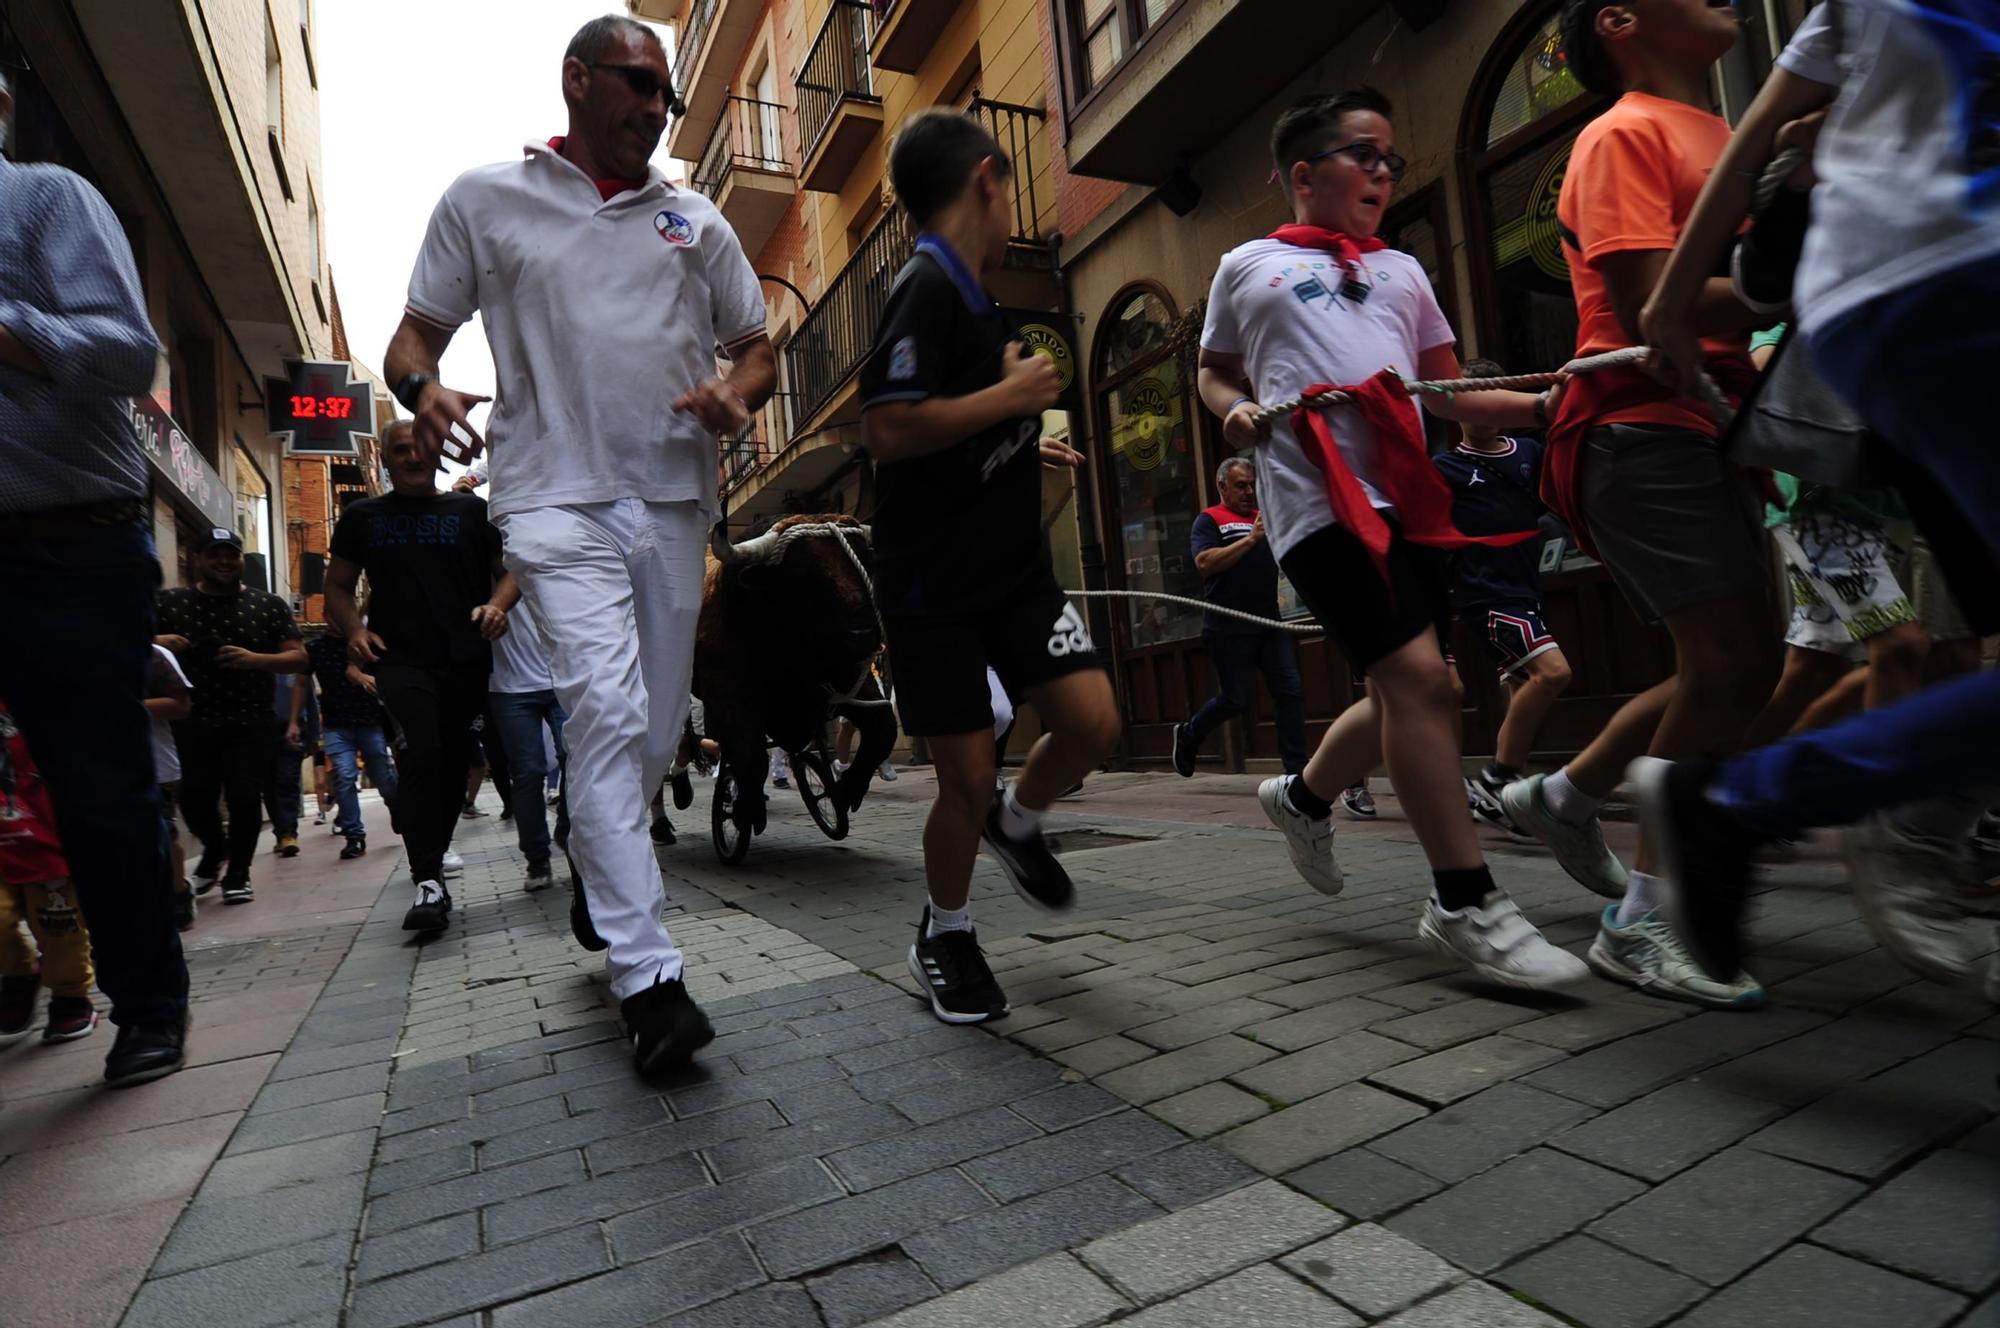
409 390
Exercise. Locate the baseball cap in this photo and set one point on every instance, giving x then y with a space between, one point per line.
221 535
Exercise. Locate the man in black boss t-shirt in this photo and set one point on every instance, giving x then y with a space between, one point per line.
1238 572
438 595
953 407
229 639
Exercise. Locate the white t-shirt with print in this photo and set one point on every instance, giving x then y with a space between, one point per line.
600 313
1280 307
1894 205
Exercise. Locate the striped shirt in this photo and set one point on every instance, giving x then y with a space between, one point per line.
69 291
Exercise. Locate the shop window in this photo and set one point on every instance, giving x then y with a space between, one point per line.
1537 81
1146 419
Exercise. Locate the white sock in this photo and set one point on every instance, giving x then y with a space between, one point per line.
1566 801
957 919
1642 895
1016 821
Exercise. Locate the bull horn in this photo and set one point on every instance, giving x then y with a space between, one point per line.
749 551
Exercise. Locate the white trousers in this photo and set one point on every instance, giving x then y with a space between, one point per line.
616 588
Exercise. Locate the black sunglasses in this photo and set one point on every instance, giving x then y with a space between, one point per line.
644 83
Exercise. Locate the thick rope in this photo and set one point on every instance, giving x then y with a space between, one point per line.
1718 405
1202 604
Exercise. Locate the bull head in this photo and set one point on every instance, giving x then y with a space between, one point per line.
755 550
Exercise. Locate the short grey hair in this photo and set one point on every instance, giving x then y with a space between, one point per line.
594 38
1231 463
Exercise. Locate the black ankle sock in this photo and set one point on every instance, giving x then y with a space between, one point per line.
1501 774
1305 800
1464 887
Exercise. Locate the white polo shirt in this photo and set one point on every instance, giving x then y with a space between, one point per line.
599 314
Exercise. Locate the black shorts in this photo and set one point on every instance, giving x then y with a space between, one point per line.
1366 616
940 663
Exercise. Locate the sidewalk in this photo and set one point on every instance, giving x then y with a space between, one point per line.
1221 1099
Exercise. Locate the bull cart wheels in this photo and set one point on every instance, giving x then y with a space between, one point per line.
815 778
728 821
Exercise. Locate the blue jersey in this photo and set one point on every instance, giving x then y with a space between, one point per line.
1494 494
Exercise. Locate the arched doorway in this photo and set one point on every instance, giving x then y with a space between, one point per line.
1151 489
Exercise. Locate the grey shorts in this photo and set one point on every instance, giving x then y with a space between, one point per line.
1672 519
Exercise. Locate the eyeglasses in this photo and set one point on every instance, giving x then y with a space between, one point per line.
1367 156
645 84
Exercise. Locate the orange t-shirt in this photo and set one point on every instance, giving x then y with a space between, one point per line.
1633 178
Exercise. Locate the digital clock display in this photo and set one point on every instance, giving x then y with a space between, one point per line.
322 408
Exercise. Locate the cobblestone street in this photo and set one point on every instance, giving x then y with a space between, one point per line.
1220 1098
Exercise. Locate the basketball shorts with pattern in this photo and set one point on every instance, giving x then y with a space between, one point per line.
1514 634
1033 637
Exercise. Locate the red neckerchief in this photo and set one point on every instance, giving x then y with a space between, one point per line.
1404 472
1341 245
607 188
1589 397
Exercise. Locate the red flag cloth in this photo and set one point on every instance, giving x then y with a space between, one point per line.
1589 397
1338 243
1403 471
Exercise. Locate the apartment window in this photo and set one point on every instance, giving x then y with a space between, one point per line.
1101 33
306 39
274 104
313 259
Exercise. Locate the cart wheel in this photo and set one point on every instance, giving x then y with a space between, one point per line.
816 788
732 837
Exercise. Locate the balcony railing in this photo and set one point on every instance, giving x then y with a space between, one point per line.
750 134
836 69
749 451
1015 128
829 345
688 52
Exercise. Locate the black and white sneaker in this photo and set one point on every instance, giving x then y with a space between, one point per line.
205 875
540 876
432 909
662 832
1029 864
236 890
1184 752
1358 801
951 971
1484 790
667 1027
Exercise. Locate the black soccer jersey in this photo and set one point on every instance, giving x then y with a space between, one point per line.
1495 494
961 528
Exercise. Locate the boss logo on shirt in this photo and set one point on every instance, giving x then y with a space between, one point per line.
674 228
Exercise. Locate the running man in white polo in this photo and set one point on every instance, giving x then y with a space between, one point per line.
604 290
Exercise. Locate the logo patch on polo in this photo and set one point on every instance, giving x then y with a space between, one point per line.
674 228
903 360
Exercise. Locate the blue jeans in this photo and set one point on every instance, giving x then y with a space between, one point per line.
1905 363
1238 659
343 745
520 716
74 651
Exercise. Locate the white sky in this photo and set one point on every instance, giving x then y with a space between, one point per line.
413 93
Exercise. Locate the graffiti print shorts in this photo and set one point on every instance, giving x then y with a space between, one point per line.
1844 586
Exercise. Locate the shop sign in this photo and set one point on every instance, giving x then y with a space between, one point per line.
319 408
1152 415
172 457
1048 335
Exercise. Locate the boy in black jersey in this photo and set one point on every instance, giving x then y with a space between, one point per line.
1495 484
953 420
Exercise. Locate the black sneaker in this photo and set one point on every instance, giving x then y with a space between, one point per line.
356 846
683 786
470 811
17 1005
1037 876
184 909
431 911
1705 858
667 1027
950 969
236 890
663 832
143 1052
580 925
1184 752
70 1018
1487 805
540 876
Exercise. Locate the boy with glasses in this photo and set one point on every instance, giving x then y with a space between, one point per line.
1357 516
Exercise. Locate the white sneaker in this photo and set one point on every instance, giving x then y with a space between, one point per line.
1579 848
1310 841
453 864
1914 892
888 772
1495 941
1650 955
